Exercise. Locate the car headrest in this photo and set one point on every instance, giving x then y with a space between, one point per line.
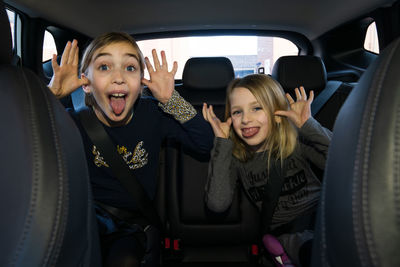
207 73
295 71
5 42
205 79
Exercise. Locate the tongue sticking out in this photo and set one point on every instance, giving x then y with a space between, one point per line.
117 104
249 132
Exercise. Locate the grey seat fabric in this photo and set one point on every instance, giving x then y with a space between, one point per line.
358 221
45 201
206 236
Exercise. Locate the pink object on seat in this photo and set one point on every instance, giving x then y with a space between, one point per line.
276 250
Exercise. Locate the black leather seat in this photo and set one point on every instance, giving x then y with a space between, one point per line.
47 217
310 72
206 237
359 218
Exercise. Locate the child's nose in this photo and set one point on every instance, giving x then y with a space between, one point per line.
118 76
246 117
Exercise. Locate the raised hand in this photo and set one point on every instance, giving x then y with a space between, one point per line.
162 81
300 110
221 129
65 78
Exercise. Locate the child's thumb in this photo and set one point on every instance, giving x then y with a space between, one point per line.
54 63
281 113
145 82
229 121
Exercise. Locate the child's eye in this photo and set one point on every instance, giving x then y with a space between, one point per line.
130 68
235 112
257 108
103 67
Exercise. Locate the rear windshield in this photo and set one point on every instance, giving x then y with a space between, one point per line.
248 54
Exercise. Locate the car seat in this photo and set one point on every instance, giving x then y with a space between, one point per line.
45 200
198 235
359 217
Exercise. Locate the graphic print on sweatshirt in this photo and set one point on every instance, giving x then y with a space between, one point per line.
135 160
256 184
294 189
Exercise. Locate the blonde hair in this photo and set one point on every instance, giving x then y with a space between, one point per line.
282 136
100 42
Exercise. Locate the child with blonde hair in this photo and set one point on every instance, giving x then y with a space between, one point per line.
268 143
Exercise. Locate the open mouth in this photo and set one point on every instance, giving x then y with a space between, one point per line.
117 103
250 132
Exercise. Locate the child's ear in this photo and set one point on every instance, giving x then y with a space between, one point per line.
278 119
86 88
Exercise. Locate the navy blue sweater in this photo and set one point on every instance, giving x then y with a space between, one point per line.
139 144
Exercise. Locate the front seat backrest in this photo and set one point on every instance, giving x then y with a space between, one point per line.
45 202
359 217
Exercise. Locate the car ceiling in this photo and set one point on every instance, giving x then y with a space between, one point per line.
92 17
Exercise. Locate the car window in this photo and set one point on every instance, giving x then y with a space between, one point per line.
49 46
11 18
248 54
371 42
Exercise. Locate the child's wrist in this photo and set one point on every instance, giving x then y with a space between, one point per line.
165 99
56 92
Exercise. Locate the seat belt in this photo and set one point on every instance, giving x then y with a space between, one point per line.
272 193
324 96
270 201
118 167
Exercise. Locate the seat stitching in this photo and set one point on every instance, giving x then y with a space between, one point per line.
63 197
35 175
396 174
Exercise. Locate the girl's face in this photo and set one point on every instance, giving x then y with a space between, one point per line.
115 82
249 120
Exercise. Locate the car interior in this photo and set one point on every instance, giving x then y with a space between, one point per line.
346 51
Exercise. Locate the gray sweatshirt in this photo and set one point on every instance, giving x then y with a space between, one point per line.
300 190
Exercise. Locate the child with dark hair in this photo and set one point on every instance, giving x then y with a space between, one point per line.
112 79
